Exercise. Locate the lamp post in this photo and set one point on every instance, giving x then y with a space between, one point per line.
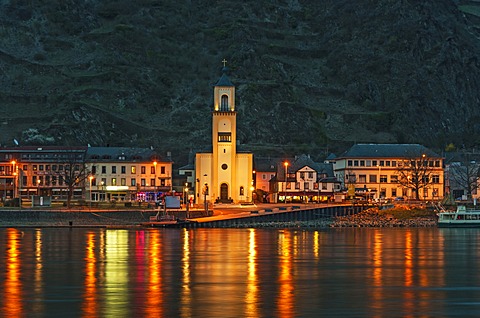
90 188
286 173
379 176
102 195
187 208
155 184
14 175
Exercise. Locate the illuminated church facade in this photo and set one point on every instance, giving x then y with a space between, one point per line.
224 174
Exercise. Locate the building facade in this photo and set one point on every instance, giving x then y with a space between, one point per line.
303 180
225 173
127 174
42 171
93 173
409 171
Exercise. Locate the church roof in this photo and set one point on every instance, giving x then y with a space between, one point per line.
224 80
388 151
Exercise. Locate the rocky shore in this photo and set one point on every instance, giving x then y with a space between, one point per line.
372 218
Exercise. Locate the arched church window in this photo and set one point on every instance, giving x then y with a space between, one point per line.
224 103
241 191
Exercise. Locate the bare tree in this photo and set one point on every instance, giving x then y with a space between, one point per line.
416 173
74 171
465 173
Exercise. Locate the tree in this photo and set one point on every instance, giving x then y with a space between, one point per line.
416 173
74 171
465 173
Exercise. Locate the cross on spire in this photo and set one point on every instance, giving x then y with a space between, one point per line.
224 62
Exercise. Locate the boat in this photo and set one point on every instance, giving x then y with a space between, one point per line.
462 217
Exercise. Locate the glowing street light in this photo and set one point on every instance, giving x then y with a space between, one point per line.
286 173
90 178
155 184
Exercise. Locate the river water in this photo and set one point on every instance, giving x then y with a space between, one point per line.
354 272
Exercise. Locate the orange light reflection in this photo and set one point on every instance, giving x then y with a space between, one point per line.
251 297
12 303
285 297
155 289
186 291
89 298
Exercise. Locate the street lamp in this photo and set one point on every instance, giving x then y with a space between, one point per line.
286 172
14 174
186 193
90 178
379 176
155 184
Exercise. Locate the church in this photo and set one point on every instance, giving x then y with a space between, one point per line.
225 174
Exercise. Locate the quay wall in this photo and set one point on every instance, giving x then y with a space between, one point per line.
296 214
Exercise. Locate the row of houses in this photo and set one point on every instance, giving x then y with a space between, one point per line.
368 171
365 171
84 173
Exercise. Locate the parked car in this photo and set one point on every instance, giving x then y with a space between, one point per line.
399 199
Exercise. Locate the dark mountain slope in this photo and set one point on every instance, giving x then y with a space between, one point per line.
309 74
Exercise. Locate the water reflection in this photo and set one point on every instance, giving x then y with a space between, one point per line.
12 295
239 272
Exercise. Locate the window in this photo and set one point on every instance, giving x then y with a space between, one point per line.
310 175
297 185
104 181
289 185
362 163
374 163
302 175
264 176
349 163
142 182
224 103
383 178
152 170
382 163
162 170
355 163
114 169
362 178
133 169
324 186
114 181
242 191
373 178
123 169
104 169
143 169
387 163
47 167
394 163
123 181
394 192
224 137
34 167
394 179
435 178
47 180
133 182
306 185
94 169
40 167
152 182
25 167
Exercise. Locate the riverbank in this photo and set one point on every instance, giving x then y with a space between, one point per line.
402 216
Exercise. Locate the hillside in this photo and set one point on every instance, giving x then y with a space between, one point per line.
311 76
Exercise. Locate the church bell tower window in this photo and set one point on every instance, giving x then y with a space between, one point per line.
224 103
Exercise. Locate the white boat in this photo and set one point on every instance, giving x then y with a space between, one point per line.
462 217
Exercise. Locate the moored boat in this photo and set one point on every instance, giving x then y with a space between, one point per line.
462 217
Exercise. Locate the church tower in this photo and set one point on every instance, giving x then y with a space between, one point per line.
226 173
224 136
